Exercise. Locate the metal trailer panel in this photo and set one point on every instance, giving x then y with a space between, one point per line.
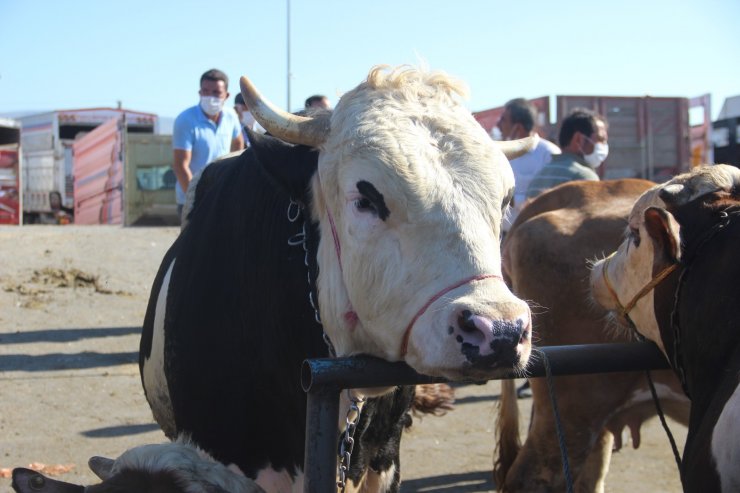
149 187
98 175
38 179
9 184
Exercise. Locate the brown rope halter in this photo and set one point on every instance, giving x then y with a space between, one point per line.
657 279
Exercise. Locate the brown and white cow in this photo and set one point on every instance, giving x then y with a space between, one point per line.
675 277
545 257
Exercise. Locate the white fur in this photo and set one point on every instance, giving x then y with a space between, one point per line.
155 382
444 182
725 444
198 470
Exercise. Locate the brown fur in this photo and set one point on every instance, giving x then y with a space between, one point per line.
433 398
545 258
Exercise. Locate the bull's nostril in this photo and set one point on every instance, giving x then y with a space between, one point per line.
466 323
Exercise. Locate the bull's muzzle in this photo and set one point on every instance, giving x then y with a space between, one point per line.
491 344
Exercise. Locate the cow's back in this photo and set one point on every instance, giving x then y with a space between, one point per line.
238 321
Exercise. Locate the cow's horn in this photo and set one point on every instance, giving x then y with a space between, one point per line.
281 124
515 148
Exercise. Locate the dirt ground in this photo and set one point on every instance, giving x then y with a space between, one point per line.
71 303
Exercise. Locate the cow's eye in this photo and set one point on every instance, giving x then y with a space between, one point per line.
363 204
635 236
371 200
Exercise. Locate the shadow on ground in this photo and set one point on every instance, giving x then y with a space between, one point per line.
66 335
451 483
64 361
119 431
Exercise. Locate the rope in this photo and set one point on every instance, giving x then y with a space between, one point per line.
558 426
659 409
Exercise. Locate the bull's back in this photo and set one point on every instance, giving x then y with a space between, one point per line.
236 322
558 232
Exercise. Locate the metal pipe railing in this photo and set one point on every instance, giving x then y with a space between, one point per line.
323 380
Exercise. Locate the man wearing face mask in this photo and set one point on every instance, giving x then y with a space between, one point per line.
516 122
246 118
204 132
583 139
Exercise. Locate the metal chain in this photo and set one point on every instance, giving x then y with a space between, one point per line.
348 440
295 210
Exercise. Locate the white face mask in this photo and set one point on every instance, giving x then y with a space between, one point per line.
598 156
496 133
211 105
247 119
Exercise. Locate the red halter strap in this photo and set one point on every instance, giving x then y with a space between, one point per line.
407 333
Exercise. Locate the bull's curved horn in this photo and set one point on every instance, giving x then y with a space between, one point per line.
281 124
515 148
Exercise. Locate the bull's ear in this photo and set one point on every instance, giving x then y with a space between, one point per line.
101 466
289 166
665 232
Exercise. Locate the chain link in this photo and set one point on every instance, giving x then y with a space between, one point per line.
348 440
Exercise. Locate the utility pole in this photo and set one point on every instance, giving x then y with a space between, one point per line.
288 53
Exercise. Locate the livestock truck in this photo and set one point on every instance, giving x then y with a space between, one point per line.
47 142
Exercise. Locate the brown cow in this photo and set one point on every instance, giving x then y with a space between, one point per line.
676 277
545 258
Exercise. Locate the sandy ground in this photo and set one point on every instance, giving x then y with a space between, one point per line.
71 303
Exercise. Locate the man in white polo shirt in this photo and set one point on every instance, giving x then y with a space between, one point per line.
204 132
516 122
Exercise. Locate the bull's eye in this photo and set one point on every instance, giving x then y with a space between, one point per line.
363 204
635 236
371 200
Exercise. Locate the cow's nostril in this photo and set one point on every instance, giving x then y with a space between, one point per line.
466 323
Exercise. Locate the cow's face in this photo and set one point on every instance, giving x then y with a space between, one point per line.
410 195
629 269
652 244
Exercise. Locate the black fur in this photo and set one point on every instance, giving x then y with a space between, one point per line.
239 323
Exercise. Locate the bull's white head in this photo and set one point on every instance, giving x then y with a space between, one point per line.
410 194
652 247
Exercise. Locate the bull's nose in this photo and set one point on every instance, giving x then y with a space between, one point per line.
482 338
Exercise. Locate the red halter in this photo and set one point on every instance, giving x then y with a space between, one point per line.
407 332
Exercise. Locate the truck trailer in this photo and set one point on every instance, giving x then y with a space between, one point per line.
47 141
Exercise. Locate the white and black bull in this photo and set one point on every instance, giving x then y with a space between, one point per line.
389 209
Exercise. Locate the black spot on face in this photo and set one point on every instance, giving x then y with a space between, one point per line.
371 193
450 329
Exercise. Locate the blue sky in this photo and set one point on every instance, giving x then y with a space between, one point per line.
150 54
